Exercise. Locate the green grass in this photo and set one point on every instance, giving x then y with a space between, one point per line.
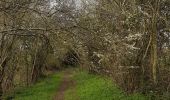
88 87
45 89
95 87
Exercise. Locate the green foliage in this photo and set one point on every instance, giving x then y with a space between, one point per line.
44 90
93 87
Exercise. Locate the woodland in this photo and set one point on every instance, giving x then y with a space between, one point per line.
85 43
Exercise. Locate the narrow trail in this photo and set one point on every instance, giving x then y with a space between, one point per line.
66 83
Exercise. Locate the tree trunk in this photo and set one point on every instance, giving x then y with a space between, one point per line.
154 46
154 57
1 91
1 76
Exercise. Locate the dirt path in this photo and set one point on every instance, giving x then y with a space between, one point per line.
67 83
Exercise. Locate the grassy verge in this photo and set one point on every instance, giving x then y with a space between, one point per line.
94 87
45 89
88 87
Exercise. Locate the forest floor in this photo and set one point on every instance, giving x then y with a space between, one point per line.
74 84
